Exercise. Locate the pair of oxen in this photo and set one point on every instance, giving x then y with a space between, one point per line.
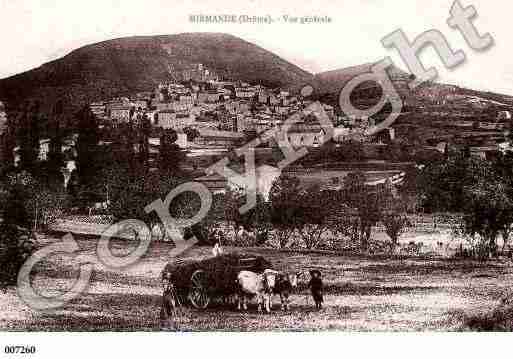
263 286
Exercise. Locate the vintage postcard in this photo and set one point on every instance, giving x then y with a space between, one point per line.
255 166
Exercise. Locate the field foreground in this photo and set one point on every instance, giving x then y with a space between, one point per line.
361 293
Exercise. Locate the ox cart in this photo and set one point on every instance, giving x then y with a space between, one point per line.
202 280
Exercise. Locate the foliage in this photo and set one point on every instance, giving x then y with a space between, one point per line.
499 319
345 151
29 201
310 211
144 131
8 140
394 219
503 165
366 202
170 154
48 205
28 136
87 165
191 133
284 207
482 190
129 192
399 150
16 245
440 185
350 151
253 218
315 212
487 211
18 187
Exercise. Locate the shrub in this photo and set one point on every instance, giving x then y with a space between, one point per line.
16 245
497 320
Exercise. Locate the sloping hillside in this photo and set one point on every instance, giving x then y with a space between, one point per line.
430 110
123 66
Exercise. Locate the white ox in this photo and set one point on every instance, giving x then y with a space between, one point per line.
253 284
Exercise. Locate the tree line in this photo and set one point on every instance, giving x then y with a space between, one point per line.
105 158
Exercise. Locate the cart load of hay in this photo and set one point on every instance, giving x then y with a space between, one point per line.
201 281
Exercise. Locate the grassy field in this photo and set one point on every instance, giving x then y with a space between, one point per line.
362 293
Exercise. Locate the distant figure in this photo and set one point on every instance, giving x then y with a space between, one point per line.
315 286
251 238
241 233
156 233
168 307
244 236
217 250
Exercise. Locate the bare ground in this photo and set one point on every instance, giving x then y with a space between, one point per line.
362 294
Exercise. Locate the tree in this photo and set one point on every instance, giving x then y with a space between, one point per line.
191 133
48 205
16 245
122 153
366 202
330 151
503 165
487 207
130 192
310 211
396 222
144 135
28 137
316 209
52 169
256 219
14 211
88 138
8 140
482 190
284 207
18 188
350 151
398 151
170 154
440 185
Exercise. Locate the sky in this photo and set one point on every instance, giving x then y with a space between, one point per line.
35 32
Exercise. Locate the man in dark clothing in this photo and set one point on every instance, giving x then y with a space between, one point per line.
168 307
315 286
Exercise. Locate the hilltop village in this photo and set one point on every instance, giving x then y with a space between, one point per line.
224 113
210 116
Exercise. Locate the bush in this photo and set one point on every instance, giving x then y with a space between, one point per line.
497 320
16 245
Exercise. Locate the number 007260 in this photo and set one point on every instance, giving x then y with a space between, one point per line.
19 349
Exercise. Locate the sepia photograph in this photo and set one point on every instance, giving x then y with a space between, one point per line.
332 168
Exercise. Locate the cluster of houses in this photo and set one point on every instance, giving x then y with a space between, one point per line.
226 114
223 112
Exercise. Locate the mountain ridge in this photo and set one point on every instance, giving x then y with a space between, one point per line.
125 65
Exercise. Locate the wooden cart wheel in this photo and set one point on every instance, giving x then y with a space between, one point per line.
198 293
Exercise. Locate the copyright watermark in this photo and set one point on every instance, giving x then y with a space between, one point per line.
460 20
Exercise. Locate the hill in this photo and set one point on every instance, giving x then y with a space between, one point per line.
127 65
429 111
